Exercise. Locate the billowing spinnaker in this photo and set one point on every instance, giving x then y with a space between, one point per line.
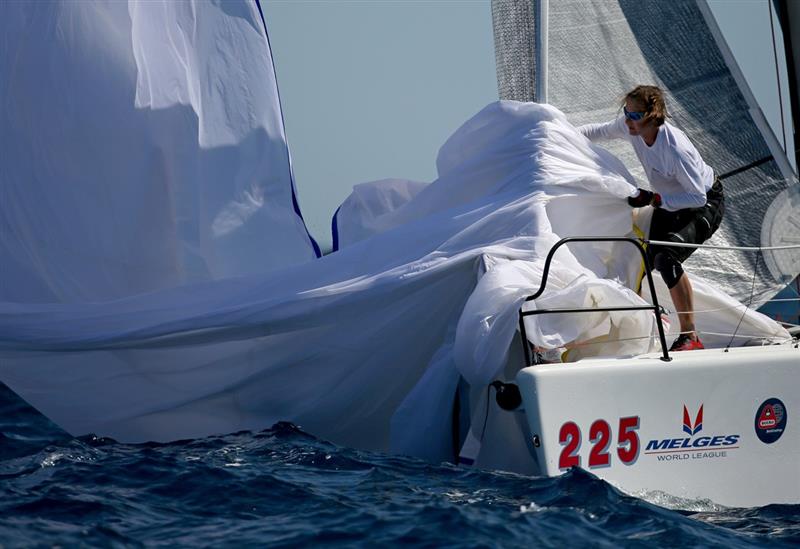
143 148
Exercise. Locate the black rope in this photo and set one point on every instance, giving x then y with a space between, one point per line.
456 425
486 417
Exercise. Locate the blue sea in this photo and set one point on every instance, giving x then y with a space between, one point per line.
284 487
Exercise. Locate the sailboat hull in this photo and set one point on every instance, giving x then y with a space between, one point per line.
711 424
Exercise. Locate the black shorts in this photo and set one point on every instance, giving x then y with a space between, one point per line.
690 225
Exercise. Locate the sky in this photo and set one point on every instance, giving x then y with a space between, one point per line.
370 89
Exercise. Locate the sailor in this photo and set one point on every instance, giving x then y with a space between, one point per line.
686 195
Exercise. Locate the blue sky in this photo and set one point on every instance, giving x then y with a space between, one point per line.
346 125
370 90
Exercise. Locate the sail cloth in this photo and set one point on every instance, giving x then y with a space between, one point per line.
365 346
600 49
143 148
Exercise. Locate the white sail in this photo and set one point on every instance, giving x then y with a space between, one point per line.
143 148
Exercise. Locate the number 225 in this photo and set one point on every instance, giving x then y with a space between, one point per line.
569 436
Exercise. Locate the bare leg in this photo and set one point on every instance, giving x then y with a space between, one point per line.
683 299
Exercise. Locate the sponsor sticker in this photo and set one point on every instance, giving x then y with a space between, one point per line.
770 420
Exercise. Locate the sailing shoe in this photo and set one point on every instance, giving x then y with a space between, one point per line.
687 342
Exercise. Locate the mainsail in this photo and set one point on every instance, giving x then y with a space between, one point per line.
143 148
598 49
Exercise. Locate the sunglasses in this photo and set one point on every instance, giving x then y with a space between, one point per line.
633 115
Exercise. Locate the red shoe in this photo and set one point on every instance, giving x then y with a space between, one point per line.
687 342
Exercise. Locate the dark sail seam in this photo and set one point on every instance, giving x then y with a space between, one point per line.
746 167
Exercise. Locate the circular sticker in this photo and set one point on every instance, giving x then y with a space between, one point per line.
770 420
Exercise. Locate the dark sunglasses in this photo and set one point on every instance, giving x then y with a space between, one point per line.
633 115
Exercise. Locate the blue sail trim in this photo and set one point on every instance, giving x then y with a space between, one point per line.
335 229
295 203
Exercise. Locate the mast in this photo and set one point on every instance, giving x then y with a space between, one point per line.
789 19
515 48
542 32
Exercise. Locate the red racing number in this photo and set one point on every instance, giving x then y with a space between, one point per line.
628 447
600 437
570 438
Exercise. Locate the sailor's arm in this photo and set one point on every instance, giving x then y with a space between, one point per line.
615 129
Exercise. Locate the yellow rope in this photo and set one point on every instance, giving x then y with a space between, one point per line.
640 277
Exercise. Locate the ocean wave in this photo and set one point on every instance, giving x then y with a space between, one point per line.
283 486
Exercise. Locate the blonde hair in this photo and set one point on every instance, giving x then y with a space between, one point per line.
653 99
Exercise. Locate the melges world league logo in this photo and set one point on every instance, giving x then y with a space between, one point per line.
694 445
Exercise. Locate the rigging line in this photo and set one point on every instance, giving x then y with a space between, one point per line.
761 337
777 75
750 301
729 307
714 247
576 344
580 344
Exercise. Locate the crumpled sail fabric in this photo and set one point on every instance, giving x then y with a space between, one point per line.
362 213
365 346
143 148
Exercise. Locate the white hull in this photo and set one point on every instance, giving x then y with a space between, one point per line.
717 455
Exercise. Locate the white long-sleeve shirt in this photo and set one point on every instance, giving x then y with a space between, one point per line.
673 166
